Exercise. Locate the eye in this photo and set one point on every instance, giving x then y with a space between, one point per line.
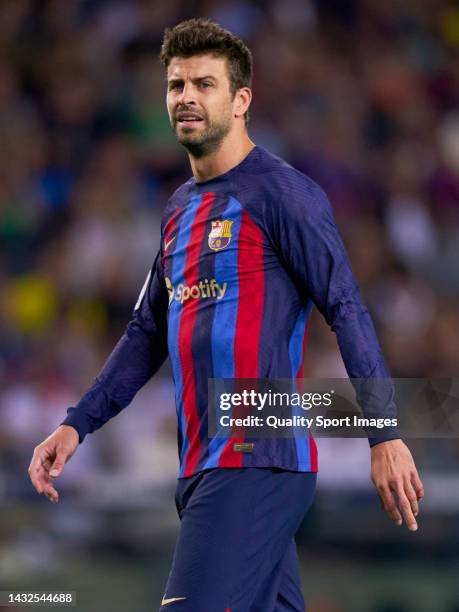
173 86
206 84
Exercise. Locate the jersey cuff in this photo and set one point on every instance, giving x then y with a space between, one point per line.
391 434
78 421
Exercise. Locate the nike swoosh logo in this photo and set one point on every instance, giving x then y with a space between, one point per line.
168 243
164 601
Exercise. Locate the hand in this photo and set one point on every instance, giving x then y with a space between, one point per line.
49 459
393 472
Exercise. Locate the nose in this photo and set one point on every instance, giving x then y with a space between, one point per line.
186 96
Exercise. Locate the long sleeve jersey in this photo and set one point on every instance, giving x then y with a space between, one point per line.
243 259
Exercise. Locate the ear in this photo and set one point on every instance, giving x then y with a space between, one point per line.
242 101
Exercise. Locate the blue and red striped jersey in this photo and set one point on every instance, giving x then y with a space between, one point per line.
243 259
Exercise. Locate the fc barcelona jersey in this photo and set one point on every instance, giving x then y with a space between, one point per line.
243 259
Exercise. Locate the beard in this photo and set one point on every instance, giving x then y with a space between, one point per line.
205 140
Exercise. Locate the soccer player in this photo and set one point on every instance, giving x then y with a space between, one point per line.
248 245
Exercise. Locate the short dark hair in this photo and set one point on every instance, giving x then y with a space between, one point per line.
201 36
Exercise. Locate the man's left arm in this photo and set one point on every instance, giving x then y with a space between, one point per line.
315 255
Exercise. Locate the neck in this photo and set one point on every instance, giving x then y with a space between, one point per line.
230 153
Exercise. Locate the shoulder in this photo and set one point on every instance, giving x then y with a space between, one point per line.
289 190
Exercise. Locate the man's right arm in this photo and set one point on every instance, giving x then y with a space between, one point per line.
137 356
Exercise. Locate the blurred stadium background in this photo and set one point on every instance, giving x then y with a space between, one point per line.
363 96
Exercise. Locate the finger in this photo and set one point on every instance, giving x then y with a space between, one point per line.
412 497
40 455
405 507
417 484
51 493
58 464
389 504
35 465
37 472
48 488
39 468
45 478
51 497
46 465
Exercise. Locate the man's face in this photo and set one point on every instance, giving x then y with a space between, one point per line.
199 102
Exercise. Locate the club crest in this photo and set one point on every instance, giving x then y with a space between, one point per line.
220 235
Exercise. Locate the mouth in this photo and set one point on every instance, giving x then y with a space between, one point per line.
189 119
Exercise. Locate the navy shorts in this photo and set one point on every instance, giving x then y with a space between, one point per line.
235 551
